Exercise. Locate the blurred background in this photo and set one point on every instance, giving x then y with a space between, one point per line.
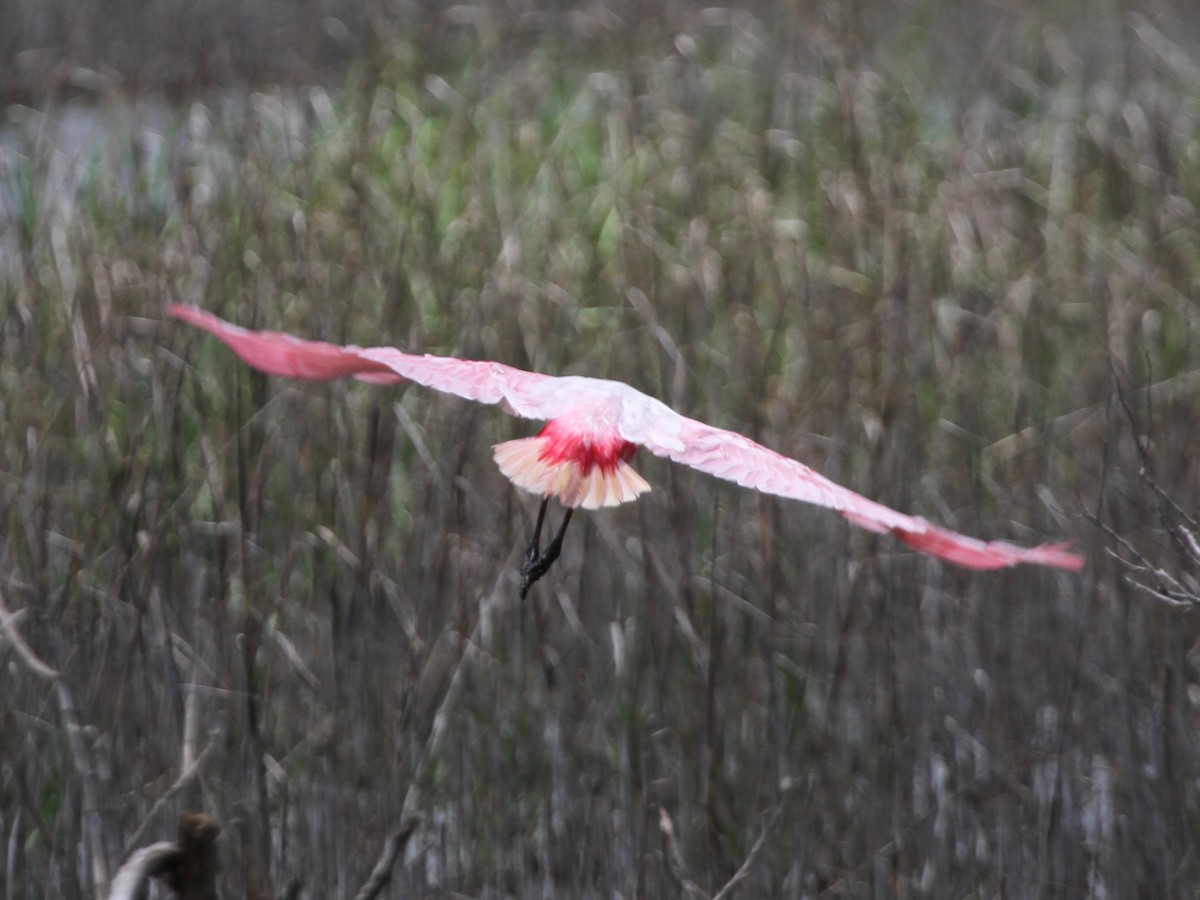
947 253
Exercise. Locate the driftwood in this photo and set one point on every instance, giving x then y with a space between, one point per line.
188 867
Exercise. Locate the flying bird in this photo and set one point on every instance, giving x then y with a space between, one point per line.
593 428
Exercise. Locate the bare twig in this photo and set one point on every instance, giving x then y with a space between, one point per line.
1009 446
191 721
1166 501
437 732
1180 526
10 859
409 813
80 752
674 857
1144 575
392 849
189 763
185 778
748 862
8 626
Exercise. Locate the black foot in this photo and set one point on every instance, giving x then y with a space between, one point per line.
537 562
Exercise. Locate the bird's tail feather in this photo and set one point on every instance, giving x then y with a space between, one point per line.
522 463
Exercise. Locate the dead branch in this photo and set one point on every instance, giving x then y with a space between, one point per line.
185 778
189 764
392 849
1178 589
748 862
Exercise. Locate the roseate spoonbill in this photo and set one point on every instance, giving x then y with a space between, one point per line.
593 426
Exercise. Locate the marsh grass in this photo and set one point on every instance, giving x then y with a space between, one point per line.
928 293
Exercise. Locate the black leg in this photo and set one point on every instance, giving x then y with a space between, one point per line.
538 563
531 552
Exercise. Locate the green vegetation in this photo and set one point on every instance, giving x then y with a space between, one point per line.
929 287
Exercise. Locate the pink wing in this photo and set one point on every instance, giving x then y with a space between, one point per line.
282 354
641 420
736 458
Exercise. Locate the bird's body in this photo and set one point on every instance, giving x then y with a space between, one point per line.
594 426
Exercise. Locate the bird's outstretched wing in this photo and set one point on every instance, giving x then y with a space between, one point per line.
639 419
736 458
275 353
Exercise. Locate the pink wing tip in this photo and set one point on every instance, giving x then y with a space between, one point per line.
1056 555
282 354
976 554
